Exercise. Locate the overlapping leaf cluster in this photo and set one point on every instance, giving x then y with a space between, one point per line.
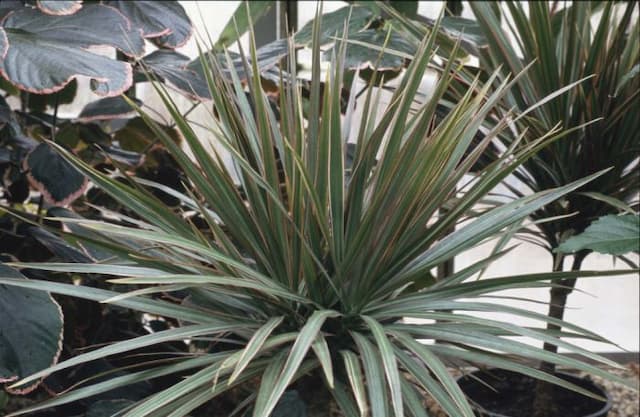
310 269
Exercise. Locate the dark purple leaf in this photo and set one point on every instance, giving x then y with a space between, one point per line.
10 129
361 55
165 22
332 24
30 332
58 246
178 71
107 109
42 53
58 181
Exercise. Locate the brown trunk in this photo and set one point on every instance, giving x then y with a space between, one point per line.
543 405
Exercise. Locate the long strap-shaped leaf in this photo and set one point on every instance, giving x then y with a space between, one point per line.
253 346
180 333
146 305
429 384
268 395
389 363
356 380
374 373
123 381
489 224
439 371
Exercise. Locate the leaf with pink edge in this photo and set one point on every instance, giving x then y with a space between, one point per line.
30 332
41 53
58 181
163 22
59 7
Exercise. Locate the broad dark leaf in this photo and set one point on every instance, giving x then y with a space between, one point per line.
94 251
238 25
59 7
107 109
268 56
43 53
333 24
613 235
188 76
10 129
178 71
164 22
30 331
58 246
5 155
58 181
361 55
136 135
472 39
407 8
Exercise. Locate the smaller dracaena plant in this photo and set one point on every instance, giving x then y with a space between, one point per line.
307 269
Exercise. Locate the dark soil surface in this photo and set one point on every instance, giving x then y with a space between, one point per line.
625 400
509 394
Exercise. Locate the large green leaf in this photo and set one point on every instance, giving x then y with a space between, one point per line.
42 53
30 332
164 22
613 235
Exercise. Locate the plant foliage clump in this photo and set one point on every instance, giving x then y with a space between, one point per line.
307 266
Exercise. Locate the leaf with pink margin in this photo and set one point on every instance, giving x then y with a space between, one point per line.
31 330
59 7
174 68
164 22
43 53
48 172
108 108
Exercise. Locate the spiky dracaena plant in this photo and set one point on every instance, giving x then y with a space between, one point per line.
562 45
566 47
309 268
